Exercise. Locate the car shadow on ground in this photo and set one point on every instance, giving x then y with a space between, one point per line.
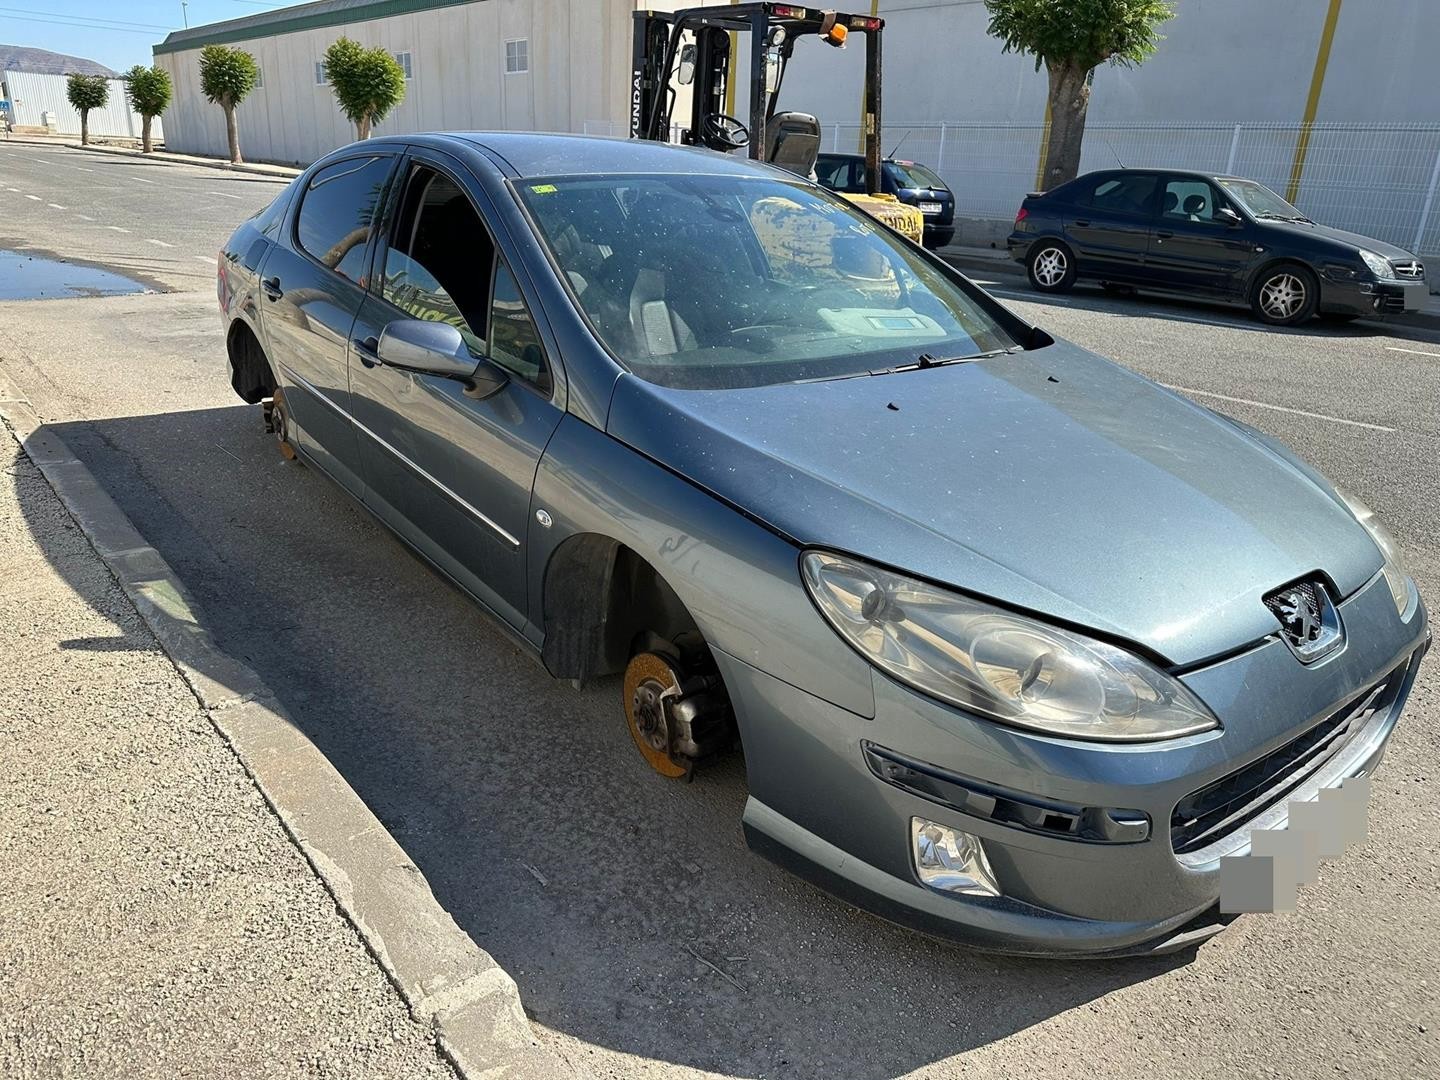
626 906
1092 297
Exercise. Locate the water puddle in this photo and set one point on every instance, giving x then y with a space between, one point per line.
33 277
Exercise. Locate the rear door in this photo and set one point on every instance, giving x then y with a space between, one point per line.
1109 224
312 287
1192 248
451 472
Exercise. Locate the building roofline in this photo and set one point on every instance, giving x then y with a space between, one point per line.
292 20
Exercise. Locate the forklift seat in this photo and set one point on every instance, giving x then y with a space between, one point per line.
794 142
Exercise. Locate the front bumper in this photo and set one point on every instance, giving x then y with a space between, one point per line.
817 807
1373 297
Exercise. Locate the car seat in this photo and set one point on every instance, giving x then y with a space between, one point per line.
1171 202
794 139
1195 206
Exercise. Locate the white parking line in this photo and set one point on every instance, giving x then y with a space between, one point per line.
55 206
85 217
1412 352
142 180
83 169
116 228
1030 298
208 259
1202 322
35 197
157 243
1279 408
13 190
222 194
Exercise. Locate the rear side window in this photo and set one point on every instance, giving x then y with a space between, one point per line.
338 211
1124 193
268 220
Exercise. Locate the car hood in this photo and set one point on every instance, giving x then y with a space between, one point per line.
1050 481
1340 236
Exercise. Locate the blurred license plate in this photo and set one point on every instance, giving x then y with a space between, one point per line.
929 207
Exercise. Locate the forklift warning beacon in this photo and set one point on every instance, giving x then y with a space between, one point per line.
692 47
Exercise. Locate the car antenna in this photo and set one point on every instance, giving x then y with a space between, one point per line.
1112 152
891 155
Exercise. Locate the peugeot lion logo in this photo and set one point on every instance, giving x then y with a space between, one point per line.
1309 622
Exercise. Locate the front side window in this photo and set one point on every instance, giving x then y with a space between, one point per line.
337 213
1188 200
441 265
911 174
1259 199
723 281
1124 193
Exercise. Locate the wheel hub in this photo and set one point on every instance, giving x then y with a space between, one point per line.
652 686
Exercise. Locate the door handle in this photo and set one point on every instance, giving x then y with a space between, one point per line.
1164 234
365 349
270 286
1080 223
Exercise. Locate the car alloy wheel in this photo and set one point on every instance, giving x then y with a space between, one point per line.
1051 267
1283 296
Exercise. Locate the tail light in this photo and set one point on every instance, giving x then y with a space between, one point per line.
1022 215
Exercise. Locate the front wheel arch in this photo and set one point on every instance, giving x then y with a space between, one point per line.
1269 270
250 373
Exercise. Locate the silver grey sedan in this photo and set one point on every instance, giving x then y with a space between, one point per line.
1019 646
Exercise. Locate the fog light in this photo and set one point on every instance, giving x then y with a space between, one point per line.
950 860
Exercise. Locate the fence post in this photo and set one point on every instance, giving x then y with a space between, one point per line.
1234 145
835 137
1425 210
940 153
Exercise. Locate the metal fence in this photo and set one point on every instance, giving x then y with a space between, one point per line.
1375 179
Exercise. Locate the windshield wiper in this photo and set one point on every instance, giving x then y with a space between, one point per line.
1269 215
925 361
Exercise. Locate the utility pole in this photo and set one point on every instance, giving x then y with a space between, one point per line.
184 13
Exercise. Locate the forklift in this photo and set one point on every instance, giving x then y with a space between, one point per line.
692 47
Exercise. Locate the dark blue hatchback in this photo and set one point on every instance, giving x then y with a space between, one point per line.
909 181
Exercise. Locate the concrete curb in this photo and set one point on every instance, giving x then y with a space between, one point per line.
257 168
445 979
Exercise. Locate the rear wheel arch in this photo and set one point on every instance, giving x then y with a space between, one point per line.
251 375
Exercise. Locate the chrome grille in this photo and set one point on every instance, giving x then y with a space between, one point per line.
1409 271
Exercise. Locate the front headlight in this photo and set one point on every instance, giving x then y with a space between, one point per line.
1008 667
1397 575
1377 264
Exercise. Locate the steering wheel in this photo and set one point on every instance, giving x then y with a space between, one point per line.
724 131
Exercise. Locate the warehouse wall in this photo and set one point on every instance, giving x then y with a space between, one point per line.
579 55
32 95
1222 60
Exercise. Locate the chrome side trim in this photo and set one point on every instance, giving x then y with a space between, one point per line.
448 492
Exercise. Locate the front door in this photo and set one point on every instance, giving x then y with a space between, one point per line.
449 471
1192 248
312 288
1110 225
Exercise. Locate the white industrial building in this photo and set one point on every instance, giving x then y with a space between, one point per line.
546 65
1231 88
38 103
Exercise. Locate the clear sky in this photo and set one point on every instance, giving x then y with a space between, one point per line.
118 35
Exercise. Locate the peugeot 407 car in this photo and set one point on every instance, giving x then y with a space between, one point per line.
1205 235
1017 644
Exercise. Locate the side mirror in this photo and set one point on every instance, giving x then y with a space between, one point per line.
1228 216
435 348
685 73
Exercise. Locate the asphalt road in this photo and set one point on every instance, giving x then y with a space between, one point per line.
609 894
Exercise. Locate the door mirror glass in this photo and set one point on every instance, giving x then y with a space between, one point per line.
435 348
1228 216
772 70
685 73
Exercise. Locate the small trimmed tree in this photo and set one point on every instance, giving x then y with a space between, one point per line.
367 83
86 92
149 92
1072 38
226 77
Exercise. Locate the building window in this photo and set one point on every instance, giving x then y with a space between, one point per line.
403 59
320 79
259 78
517 56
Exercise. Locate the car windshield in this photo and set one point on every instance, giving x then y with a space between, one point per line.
724 281
911 174
1259 199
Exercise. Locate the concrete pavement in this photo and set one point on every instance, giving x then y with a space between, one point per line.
156 919
613 898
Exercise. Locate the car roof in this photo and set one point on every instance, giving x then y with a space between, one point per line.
530 153
1196 173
